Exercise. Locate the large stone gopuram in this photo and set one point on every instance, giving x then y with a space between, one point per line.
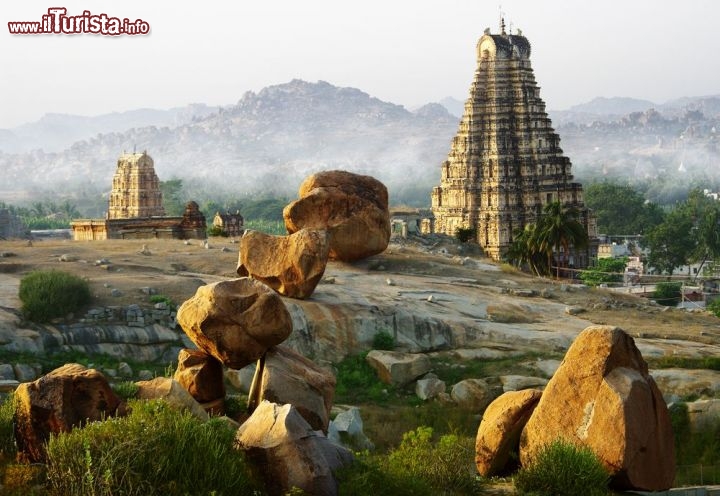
505 163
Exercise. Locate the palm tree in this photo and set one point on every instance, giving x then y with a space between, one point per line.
559 227
524 250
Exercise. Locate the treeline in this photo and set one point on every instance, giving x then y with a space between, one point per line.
675 235
45 214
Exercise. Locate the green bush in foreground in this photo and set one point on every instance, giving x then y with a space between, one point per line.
417 467
153 451
563 469
49 294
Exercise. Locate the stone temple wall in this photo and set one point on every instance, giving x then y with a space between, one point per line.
505 162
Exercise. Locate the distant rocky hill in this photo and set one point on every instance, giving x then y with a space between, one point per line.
56 132
268 141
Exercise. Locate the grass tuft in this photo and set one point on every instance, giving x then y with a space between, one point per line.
563 469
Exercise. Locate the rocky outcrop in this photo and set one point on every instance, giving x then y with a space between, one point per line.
170 391
58 402
235 321
499 433
201 374
288 452
603 397
397 368
353 208
291 265
289 377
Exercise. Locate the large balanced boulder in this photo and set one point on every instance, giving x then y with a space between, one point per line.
289 453
399 369
235 321
57 402
291 265
603 397
289 377
499 433
354 208
201 374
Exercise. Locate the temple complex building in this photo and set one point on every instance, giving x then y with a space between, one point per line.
135 208
505 163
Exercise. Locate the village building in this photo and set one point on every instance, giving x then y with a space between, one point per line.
505 163
135 208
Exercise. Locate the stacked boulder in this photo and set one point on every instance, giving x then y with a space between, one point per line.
242 321
339 216
602 397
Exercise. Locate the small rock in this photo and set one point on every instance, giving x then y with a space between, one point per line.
430 298
116 293
389 282
124 370
66 257
145 375
398 368
429 387
145 250
574 310
472 394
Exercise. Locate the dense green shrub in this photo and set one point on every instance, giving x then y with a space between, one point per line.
49 294
383 340
563 469
153 451
447 464
368 474
465 234
606 270
216 231
667 293
418 466
714 307
7 436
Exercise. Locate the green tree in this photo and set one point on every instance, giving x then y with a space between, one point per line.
671 243
69 210
524 251
606 270
172 195
704 213
621 209
557 228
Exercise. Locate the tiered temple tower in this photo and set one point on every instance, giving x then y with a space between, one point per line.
505 163
135 189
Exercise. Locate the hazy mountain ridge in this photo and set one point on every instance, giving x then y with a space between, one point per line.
270 140
56 132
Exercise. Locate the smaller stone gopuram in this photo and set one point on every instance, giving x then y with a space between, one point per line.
135 209
230 224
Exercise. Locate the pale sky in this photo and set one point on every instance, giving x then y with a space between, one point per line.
405 52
